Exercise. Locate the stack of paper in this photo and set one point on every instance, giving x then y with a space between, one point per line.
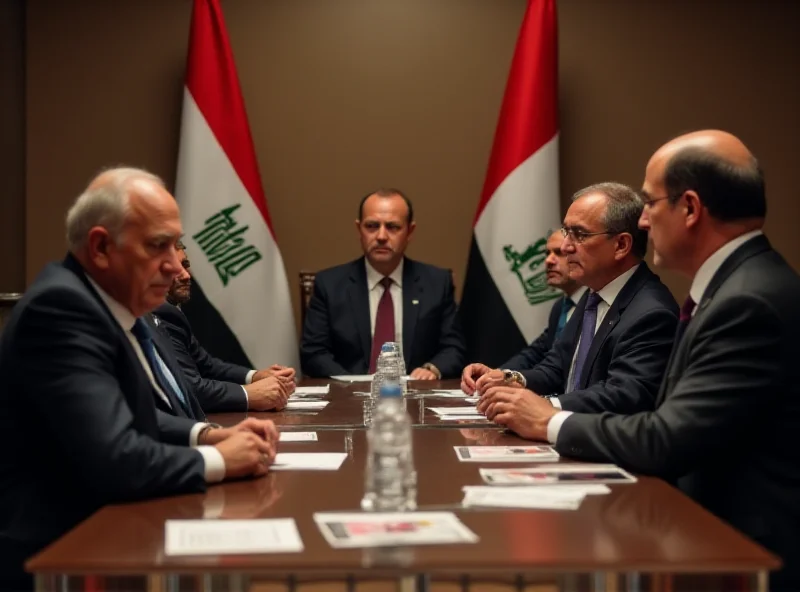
557 474
458 413
311 391
556 497
308 461
306 405
218 537
390 529
506 453
298 436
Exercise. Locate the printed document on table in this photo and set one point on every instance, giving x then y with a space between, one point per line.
309 405
506 453
306 391
468 410
223 537
393 528
298 436
360 377
557 474
308 461
513 497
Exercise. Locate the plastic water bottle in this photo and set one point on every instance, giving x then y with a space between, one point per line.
380 377
390 481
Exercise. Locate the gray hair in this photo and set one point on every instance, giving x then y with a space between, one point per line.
106 203
623 210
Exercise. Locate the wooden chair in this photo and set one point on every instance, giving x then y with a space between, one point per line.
7 302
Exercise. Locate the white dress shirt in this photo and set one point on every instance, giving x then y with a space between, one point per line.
608 294
214 463
575 297
375 290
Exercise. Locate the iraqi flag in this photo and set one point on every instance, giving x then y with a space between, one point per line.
506 299
241 307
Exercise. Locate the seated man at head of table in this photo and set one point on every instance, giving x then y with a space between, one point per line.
80 377
381 297
621 333
219 386
557 277
725 423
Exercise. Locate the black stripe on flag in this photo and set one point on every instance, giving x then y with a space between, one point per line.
491 332
211 330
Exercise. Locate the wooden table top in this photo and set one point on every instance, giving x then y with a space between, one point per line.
643 527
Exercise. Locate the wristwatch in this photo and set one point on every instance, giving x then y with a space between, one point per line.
432 368
510 376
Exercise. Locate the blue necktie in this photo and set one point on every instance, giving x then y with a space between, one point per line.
161 373
587 335
566 306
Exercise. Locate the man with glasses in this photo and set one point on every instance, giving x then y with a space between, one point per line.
725 424
622 328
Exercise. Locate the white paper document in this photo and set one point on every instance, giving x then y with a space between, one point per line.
468 410
392 528
306 391
557 474
543 497
449 393
306 405
472 418
308 461
359 377
506 453
298 436
223 537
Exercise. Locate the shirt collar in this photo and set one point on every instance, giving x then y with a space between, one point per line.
577 294
611 290
374 277
121 314
711 265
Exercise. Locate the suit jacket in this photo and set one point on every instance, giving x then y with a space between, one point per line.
77 410
337 337
628 355
216 384
538 349
726 418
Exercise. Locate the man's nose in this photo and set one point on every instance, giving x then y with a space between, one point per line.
644 221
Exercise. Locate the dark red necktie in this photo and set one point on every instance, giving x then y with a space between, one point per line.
684 318
384 323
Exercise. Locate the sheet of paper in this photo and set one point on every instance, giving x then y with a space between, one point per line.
308 461
449 393
359 377
298 436
506 453
305 391
222 537
308 405
390 529
510 497
472 418
468 410
557 474
563 489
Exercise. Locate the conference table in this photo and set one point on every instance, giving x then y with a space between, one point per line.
644 536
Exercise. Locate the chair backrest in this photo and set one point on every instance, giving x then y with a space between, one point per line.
306 289
7 302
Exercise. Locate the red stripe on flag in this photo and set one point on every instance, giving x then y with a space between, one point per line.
212 80
529 115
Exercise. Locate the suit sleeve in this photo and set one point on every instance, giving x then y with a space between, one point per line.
538 349
450 357
71 358
214 396
733 378
549 377
316 348
214 368
637 366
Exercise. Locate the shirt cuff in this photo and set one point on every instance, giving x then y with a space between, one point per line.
555 402
246 399
249 378
195 432
554 425
215 464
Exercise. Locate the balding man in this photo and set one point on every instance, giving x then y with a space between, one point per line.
728 409
81 373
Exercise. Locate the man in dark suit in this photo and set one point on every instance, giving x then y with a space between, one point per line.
557 277
78 361
621 332
219 386
725 423
383 297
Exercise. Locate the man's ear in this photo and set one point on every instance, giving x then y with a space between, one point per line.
98 244
411 228
692 207
623 246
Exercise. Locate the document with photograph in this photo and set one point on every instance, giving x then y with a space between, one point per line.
557 474
392 528
506 453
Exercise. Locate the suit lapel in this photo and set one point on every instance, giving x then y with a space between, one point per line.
166 356
358 296
612 317
412 300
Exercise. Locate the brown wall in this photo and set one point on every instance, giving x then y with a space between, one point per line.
344 95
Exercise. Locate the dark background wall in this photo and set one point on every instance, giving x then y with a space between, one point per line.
345 95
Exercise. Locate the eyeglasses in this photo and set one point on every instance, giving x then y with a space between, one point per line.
578 236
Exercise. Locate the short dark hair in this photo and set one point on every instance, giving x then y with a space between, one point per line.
387 192
729 191
623 210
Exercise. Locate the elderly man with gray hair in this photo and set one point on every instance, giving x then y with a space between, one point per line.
113 419
622 329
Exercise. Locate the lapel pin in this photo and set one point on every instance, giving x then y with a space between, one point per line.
415 302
